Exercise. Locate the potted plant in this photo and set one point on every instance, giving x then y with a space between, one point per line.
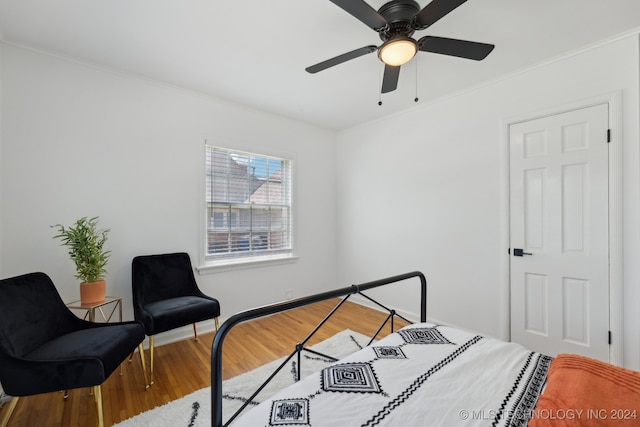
86 249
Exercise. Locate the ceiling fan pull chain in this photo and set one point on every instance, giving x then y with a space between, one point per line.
380 85
416 98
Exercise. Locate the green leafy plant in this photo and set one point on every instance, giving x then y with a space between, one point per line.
86 248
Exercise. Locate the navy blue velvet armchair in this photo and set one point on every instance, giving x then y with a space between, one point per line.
44 347
166 296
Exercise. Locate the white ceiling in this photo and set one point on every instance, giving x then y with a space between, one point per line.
254 52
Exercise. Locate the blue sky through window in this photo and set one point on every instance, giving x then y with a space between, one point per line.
262 167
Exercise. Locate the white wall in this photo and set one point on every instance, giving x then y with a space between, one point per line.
1 166
424 190
78 141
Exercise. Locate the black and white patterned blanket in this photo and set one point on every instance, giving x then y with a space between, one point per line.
422 375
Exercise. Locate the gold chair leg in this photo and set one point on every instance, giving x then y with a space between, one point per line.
216 319
195 332
144 367
98 395
151 345
8 411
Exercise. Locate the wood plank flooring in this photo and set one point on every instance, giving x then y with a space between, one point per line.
184 367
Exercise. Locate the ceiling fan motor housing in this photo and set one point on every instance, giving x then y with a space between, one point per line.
399 14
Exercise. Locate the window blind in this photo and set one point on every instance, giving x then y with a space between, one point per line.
248 198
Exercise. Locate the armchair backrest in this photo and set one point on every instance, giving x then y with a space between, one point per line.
31 313
160 277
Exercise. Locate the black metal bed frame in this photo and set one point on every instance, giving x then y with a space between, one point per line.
344 293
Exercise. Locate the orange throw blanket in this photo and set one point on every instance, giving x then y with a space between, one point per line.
585 392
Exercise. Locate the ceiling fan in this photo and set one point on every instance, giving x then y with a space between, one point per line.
395 22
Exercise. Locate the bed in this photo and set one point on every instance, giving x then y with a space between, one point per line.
434 375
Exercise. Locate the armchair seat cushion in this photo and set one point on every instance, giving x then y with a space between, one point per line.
175 312
100 350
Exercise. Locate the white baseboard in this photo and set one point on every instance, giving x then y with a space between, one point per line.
359 299
183 333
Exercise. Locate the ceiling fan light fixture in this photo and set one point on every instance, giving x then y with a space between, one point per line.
398 51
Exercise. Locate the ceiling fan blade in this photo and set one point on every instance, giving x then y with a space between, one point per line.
432 12
363 12
390 79
340 59
454 47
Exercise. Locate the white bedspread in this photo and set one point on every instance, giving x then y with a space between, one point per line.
422 375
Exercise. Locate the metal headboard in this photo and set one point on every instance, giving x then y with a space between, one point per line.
216 348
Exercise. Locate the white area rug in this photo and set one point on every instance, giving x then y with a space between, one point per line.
194 410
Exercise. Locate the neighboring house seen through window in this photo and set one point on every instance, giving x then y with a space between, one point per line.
248 198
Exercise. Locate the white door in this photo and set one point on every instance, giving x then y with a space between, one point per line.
559 233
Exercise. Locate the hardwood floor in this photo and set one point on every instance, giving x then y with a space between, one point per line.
184 367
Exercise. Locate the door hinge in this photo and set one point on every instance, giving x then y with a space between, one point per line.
610 339
608 135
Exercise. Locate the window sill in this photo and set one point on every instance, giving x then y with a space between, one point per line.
241 264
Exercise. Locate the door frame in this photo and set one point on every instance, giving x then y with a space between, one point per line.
616 301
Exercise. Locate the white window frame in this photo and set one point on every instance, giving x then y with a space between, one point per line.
242 259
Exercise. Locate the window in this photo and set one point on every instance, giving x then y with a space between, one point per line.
248 202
